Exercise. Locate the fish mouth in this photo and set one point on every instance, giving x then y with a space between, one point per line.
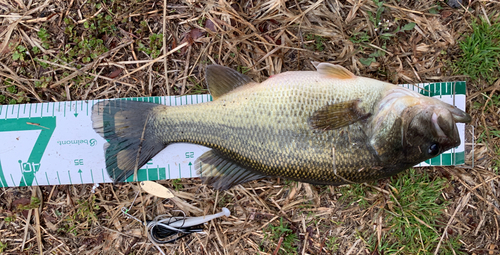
457 114
445 128
444 119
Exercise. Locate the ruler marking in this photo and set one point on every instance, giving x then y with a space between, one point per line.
3 184
6 111
87 108
70 182
169 171
47 177
180 175
158 172
41 110
103 180
65 109
24 110
76 108
22 176
13 107
18 110
36 181
92 175
58 179
13 182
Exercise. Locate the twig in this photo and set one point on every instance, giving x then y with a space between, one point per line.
165 62
186 69
463 201
87 67
153 61
279 246
37 219
26 229
353 246
76 70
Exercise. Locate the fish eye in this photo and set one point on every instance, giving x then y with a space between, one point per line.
433 149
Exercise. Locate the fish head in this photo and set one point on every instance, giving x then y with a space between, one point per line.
429 128
417 128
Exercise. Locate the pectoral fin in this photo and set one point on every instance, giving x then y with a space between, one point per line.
337 115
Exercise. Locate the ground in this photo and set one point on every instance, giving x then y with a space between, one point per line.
55 50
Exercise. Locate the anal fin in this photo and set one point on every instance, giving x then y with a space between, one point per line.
222 173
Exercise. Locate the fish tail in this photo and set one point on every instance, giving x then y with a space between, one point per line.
127 126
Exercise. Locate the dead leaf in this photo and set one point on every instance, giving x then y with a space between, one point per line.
115 73
190 37
445 14
20 202
210 25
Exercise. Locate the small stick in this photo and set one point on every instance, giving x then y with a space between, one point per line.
459 207
37 219
26 228
165 62
186 69
153 61
279 245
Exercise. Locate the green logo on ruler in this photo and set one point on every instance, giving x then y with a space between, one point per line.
28 169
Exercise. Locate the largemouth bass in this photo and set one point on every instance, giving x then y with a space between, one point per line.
322 127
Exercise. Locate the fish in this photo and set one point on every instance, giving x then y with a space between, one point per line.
325 127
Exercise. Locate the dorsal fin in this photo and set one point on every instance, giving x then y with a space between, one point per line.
221 80
334 71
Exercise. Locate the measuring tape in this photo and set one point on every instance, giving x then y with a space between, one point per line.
54 143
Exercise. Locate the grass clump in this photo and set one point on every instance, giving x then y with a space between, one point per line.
3 246
274 233
412 217
85 216
480 52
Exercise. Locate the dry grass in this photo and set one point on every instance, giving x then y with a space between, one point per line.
261 38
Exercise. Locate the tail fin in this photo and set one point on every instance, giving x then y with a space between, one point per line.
126 125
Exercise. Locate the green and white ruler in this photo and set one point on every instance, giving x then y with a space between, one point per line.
54 143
